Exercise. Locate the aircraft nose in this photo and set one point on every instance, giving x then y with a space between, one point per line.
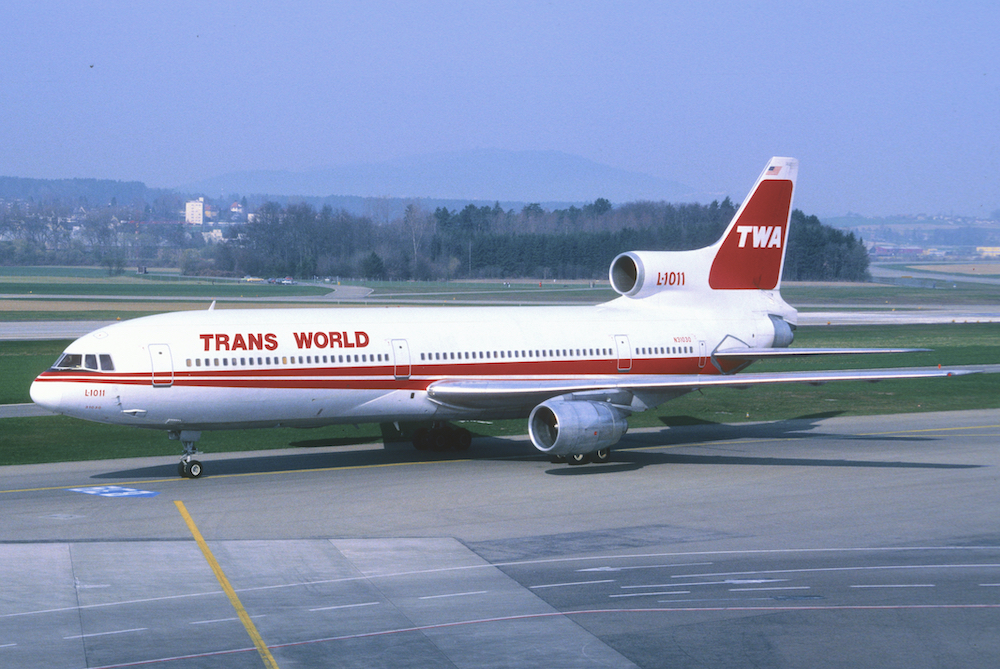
46 394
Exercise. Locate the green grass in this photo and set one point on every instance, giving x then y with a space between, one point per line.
95 315
21 362
138 287
880 296
61 439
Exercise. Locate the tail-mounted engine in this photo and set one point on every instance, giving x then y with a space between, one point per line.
639 274
569 427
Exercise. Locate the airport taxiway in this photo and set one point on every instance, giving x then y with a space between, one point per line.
822 541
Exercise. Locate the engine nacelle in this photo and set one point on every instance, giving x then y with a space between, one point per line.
575 427
639 274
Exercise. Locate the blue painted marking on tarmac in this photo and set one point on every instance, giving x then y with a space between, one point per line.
115 491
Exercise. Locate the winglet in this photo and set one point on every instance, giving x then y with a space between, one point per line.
751 253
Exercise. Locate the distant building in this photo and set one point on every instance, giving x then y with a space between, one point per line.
988 251
194 212
213 236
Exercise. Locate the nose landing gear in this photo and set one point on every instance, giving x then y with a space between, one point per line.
188 467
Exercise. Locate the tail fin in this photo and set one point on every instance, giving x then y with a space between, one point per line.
751 253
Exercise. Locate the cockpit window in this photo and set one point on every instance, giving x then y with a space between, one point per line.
74 361
69 361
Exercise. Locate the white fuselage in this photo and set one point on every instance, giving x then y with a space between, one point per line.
220 369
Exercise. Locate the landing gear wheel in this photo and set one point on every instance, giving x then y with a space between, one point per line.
578 458
422 439
442 437
190 469
558 459
601 455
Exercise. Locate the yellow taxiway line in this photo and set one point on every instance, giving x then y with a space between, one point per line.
227 587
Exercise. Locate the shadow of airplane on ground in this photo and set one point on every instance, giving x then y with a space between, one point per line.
626 456
686 430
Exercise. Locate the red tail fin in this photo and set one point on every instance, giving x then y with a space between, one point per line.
752 251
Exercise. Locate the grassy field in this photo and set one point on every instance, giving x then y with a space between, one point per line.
141 287
880 296
55 439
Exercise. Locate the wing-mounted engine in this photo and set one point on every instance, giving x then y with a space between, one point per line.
639 274
575 427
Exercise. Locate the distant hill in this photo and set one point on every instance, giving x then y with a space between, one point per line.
481 175
89 192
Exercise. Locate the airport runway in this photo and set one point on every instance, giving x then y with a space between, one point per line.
816 542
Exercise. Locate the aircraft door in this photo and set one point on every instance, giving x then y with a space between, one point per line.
162 365
624 353
401 358
702 354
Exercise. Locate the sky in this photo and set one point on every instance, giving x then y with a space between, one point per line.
891 107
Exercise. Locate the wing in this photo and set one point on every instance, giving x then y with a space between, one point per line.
774 353
619 390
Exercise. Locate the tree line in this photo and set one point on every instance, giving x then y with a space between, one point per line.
490 243
299 240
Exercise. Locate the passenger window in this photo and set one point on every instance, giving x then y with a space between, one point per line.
197 362
189 362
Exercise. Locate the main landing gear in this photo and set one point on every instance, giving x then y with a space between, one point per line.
600 456
442 437
188 467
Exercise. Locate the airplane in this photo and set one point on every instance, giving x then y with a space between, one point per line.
683 321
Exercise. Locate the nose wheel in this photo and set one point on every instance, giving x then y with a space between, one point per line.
188 467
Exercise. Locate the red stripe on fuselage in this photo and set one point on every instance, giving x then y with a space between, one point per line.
382 377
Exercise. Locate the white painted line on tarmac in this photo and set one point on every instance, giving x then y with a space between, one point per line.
456 594
812 570
8 645
87 636
345 606
787 587
562 585
650 594
650 566
897 585
729 581
222 620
